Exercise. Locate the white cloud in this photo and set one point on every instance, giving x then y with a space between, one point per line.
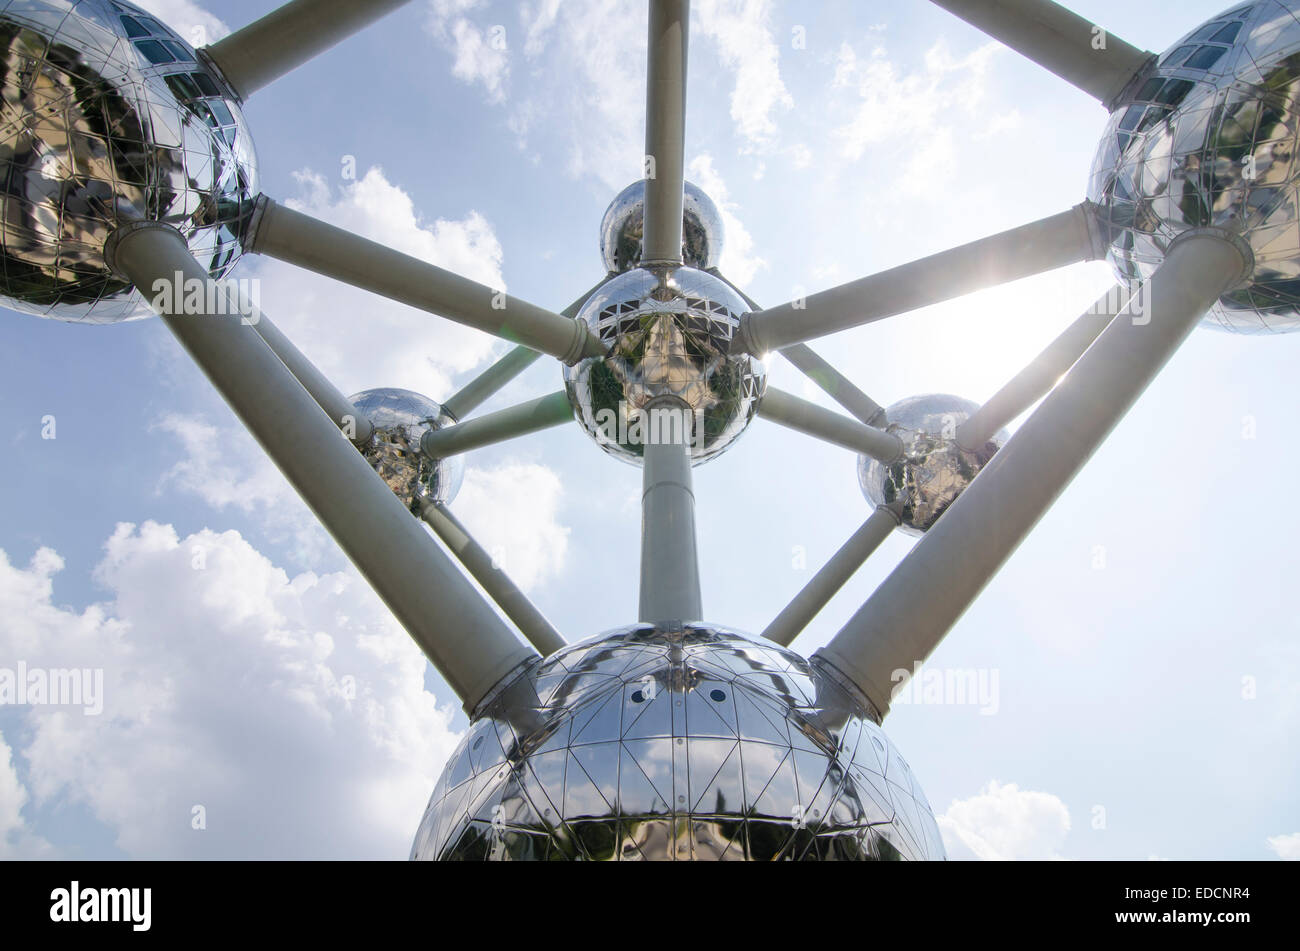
586 80
1286 846
1005 822
292 709
512 511
195 25
585 74
801 156
908 118
586 85
360 340
738 261
16 840
539 18
226 468
480 54
741 30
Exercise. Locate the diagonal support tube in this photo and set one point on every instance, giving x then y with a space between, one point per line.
481 389
834 575
670 570
1036 380
467 642
802 416
327 396
903 622
490 382
665 134
835 384
485 570
832 382
287 37
1067 238
299 239
531 417
1060 41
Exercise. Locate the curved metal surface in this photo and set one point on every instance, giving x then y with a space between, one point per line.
668 333
934 470
622 239
694 743
1210 139
401 419
107 117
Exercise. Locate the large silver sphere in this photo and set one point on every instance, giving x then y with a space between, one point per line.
934 470
668 333
691 744
107 117
1210 139
622 230
401 418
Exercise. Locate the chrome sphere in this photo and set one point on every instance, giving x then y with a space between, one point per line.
934 470
108 117
622 229
668 332
676 744
1209 139
401 418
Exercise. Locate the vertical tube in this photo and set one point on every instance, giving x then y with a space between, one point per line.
666 131
459 632
914 608
670 572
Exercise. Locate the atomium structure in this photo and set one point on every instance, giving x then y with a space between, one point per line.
128 169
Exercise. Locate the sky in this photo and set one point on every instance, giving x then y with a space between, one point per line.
259 700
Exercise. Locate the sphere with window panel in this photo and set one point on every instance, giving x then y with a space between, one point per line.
677 744
1209 139
108 117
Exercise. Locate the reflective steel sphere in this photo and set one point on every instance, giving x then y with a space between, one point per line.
689 744
1210 139
621 230
401 418
108 118
934 470
668 333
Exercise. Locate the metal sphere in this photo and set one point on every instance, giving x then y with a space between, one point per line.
401 418
697 744
668 332
934 470
109 118
621 231
1209 139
